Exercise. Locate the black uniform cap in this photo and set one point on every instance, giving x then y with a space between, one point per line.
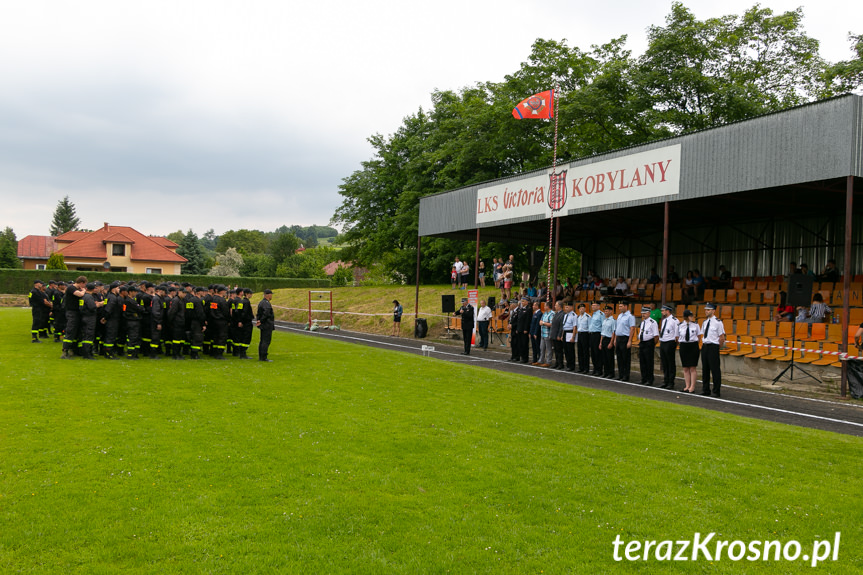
91 286
52 282
132 288
199 289
172 289
61 284
247 290
124 288
266 291
38 282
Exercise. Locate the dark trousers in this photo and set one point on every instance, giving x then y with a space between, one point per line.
155 337
667 353
133 336
710 367
645 360
482 328
534 342
112 327
607 354
88 334
558 352
583 345
595 354
569 351
36 326
219 334
624 357
264 344
466 334
196 337
70 336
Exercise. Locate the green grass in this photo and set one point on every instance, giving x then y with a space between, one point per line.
344 459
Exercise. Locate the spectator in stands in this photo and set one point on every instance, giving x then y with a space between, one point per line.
687 287
481 273
819 310
620 287
465 272
588 283
804 269
597 283
831 273
723 280
673 276
531 291
784 312
542 293
792 269
698 283
569 292
858 338
802 314
558 291
507 280
653 278
496 270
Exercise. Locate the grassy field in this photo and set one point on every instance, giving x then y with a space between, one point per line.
376 300
345 459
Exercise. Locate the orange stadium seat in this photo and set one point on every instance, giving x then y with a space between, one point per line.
744 347
755 328
769 329
819 332
776 350
761 348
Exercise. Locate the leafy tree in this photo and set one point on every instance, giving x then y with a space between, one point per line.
283 246
308 264
9 250
701 74
343 276
56 261
191 249
244 241
227 264
209 239
176 237
847 75
65 219
258 265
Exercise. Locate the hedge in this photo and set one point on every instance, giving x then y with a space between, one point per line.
19 281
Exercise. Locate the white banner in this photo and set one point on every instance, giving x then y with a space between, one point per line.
651 174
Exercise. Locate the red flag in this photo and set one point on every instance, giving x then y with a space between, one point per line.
539 106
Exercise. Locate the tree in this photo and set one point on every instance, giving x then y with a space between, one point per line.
283 246
244 241
847 75
9 250
227 264
208 240
56 261
176 237
701 74
65 219
190 248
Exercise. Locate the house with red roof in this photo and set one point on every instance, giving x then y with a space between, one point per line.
110 248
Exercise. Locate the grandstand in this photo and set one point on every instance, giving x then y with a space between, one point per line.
754 196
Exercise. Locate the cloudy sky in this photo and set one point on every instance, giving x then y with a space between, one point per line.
178 114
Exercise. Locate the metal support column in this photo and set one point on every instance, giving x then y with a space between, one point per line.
476 263
846 272
665 254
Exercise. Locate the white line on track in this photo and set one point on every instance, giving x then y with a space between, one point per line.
485 359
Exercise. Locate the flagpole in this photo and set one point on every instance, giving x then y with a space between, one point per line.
549 286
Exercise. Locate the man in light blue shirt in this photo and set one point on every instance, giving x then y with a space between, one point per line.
583 341
596 319
546 349
606 344
625 332
569 334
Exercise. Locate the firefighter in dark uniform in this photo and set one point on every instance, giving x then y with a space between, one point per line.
51 293
195 322
99 297
73 301
111 320
40 307
132 313
217 323
205 302
244 316
58 311
145 300
177 318
89 312
158 311
266 321
233 330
